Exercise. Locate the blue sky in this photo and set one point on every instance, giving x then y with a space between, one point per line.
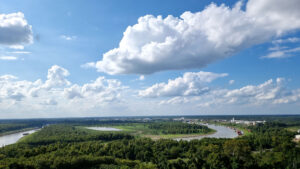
218 58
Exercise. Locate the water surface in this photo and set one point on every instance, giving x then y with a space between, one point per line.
221 132
13 138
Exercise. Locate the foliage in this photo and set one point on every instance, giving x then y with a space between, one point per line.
178 128
71 147
67 133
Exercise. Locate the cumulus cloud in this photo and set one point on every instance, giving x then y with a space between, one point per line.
57 86
265 92
12 89
191 84
14 30
101 89
7 77
195 40
275 15
271 92
56 77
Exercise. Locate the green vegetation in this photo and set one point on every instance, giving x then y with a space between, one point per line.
293 128
178 128
8 128
68 134
157 130
69 146
244 128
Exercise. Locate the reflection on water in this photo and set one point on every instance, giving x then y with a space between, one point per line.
104 128
13 138
221 132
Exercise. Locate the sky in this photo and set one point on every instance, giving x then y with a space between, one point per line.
99 58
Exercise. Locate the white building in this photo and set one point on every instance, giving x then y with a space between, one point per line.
232 121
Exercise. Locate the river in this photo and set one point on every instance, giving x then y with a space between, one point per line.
221 132
13 138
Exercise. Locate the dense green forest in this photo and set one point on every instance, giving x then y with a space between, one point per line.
178 128
12 127
70 146
161 129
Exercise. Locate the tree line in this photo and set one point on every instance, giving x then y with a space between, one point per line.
71 147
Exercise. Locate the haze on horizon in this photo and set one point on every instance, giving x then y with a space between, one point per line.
133 58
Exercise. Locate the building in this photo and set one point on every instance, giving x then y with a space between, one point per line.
232 121
179 119
297 137
246 122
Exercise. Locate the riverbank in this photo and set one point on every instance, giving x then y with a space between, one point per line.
242 128
221 132
18 131
15 137
178 136
158 130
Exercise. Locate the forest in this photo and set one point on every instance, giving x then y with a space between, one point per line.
178 128
70 146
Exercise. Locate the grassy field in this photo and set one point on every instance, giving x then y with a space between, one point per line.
142 130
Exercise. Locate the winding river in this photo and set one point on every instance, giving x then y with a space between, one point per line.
221 132
13 138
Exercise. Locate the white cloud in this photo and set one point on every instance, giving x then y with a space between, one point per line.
14 30
88 65
282 53
142 77
175 100
7 77
8 58
73 92
275 15
56 90
277 48
278 51
191 84
268 93
196 39
12 89
20 52
65 37
231 82
50 102
257 94
101 89
19 47
56 77
288 40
